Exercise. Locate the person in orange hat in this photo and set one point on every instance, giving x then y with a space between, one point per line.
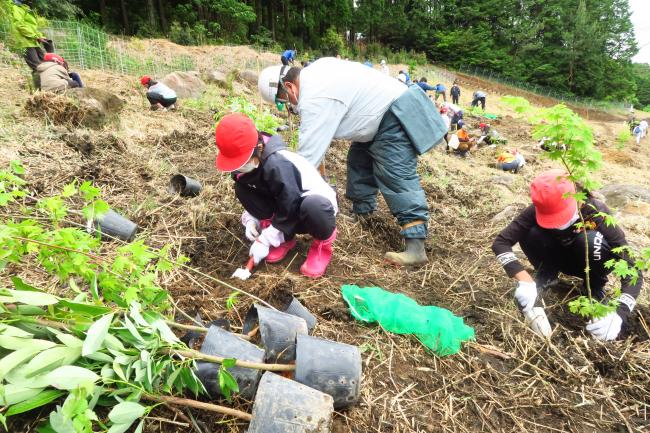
281 192
160 96
552 241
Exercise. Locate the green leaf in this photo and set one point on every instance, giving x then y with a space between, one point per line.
43 398
119 428
19 284
14 359
12 331
13 394
165 332
15 343
229 362
96 334
37 299
70 377
126 412
232 300
51 359
69 190
69 340
83 308
17 167
60 423
89 191
132 329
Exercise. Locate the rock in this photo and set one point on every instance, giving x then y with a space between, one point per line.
505 216
185 84
503 179
249 77
619 195
218 78
99 106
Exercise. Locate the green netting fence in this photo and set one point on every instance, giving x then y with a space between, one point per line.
86 47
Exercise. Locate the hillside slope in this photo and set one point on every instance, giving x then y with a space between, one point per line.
509 380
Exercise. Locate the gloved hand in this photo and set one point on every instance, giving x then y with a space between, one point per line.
251 224
258 251
270 237
606 328
537 320
526 295
252 227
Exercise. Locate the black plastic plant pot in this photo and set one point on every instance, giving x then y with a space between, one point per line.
295 308
278 332
331 367
185 186
219 342
285 406
113 225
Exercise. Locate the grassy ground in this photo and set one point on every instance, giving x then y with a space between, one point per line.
509 380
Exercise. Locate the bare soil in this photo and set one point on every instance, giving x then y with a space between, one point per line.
508 380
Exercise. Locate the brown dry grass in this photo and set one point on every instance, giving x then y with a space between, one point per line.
509 380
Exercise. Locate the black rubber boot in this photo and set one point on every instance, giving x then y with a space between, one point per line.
413 254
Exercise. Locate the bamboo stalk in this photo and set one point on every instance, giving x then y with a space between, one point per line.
194 354
199 405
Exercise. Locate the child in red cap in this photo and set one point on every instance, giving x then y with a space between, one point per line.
281 192
160 96
548 236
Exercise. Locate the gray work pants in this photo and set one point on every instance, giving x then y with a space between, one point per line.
388 164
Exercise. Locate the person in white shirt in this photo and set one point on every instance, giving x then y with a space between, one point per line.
389 125
159 95
384 67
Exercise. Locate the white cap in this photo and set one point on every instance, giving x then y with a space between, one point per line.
383 62
269 80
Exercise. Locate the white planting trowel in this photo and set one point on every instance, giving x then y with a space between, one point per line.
245 272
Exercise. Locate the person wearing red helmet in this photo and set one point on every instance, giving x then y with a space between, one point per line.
160 96
552 241
54 75
281 192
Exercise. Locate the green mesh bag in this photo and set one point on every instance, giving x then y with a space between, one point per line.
437 328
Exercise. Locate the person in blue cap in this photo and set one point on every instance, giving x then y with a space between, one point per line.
288 57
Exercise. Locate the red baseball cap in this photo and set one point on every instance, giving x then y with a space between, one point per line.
236 137
51 57
552 208
145 80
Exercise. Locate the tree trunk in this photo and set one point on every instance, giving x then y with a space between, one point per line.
103 12
163 16
271 18
258 15
151 15
125 17
285 9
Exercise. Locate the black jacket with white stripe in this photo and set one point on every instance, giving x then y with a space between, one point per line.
286 177
519 227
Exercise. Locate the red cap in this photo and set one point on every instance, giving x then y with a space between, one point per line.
552 208
482 125
145 80
236 137
51 57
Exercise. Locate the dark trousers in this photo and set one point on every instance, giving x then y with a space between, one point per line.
315 216
388 164
454 99
156 98
76 78
34 55
549 256
476 101
284 60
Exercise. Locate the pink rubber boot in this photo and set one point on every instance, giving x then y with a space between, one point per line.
318 257
278 253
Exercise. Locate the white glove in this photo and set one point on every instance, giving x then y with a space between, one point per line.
258 251
537 321
526 294
270 237
252 225
606 328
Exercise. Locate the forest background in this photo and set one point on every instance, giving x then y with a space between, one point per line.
584 47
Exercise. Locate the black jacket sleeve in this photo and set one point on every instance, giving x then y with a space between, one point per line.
615 237
284 182
512 234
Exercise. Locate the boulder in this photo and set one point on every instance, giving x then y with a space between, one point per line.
249 77
619 195
506 215
503 179
185 84
218 78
